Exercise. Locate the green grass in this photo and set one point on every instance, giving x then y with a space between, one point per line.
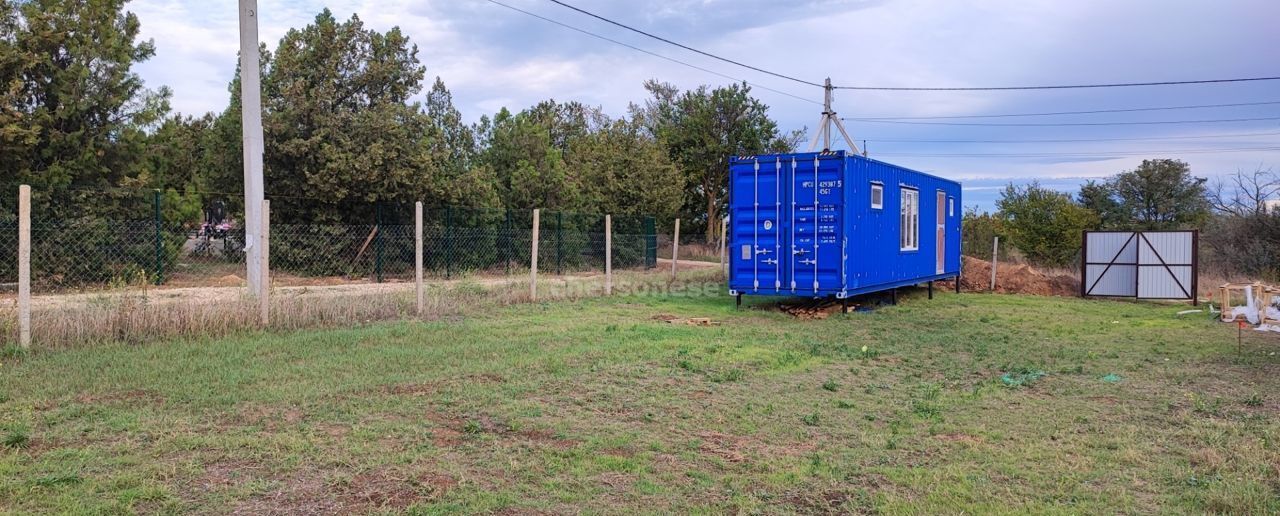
595 406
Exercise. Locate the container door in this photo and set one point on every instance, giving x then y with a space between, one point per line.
941 237
756 225
816 212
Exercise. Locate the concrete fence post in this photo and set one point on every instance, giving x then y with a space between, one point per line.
533 261
675 249
159 237
264 299
995 252
608 255
24 266
417 255
724 229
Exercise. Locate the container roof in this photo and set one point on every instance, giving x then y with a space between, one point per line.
835 154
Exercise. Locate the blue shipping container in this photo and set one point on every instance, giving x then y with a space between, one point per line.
837 224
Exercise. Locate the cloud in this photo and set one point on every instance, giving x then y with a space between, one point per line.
492 57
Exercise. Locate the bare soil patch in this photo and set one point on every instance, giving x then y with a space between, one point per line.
452 430
383 489
313 491
304 492
134 395
812 309
820 502
959 438
975 276
737 448
410 389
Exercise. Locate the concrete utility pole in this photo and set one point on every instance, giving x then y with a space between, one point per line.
828 119
251 117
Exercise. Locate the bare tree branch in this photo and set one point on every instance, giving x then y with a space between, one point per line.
1245 193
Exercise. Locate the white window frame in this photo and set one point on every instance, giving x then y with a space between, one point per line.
909 219
877 187
951 206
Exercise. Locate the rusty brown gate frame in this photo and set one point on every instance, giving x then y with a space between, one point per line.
1191 294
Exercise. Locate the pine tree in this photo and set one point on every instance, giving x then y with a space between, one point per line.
73 113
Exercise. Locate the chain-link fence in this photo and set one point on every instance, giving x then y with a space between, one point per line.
142 264
138 243
9 254
147 244
457 242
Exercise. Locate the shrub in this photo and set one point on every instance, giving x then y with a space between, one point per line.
1044 224
979 232
1243 247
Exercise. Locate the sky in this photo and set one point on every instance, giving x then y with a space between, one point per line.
490 57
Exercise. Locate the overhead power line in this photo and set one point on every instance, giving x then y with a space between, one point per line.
902 88
1076 124
1091 112
654 54
686 47
1058 87
1075 140
1082 154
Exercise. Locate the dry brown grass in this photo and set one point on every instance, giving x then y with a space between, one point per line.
695 251
137 314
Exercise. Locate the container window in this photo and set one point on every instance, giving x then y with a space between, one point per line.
951 206
909 220
877 196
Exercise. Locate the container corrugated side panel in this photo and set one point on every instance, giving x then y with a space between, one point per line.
876 257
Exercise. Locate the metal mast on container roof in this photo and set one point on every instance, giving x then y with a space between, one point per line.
829 118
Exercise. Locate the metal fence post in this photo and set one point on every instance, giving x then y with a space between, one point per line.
559 242
650 242
448 242
159 270
24 266
377 241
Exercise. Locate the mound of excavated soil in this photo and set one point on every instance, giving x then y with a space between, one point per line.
1013 279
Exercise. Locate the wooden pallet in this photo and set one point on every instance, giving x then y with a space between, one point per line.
1263 296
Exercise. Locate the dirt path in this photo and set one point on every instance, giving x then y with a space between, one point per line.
687 264
230 294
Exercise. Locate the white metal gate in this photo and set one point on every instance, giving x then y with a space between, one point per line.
1140 264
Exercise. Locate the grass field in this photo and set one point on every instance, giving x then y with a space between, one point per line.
598 406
